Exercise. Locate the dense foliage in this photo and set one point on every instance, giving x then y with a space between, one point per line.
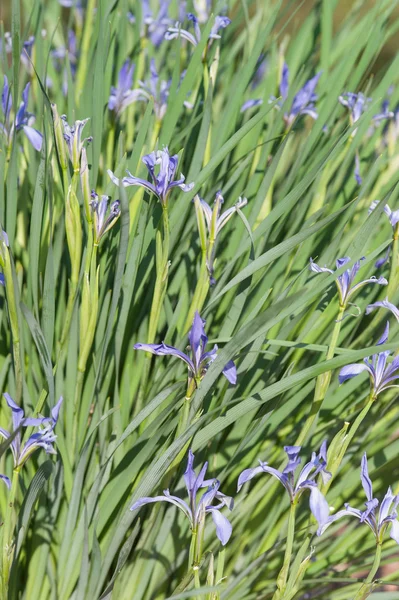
175 171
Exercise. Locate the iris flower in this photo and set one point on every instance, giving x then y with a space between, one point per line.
195 38
23 119
200 360
214 222
157 90
305 480
162 183
195 510
122 95
70 52
382 375
153 26
377 520
383 304
73 138
393 215
26 52
357 104
303 102
43 437
344 282
102 222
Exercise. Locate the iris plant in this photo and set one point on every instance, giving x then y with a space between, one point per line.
303 102
74 142
153 26
214 223
122 95
383 304
156 89
196 510
305 480
357 104
102 222
378 520
43 437
161 184
344 282
23 119
382 375
199 360
221 22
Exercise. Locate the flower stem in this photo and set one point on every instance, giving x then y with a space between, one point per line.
8 530
367 587
283 575
200 292
12 302
334 466
87 40
161 281
322 382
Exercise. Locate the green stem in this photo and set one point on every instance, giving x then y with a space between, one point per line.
111 142
76 402
283 575
207 153
200 292
336 462
11 294
394 272
8 530
161 281
84 53
367 587
220 570
322 382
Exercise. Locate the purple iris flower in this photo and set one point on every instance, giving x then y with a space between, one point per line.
157 90
357 104
344 282
251 104
221 22
200 360
215 222
305 480
261 69
303 102
72 53
383 304
122 95
102 222
378 521
393 215
161 184
73 138
26 52
382 375
195 510
23 119
154 27
43 438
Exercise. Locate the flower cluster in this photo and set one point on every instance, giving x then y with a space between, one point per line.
344 282
23 119
44 437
